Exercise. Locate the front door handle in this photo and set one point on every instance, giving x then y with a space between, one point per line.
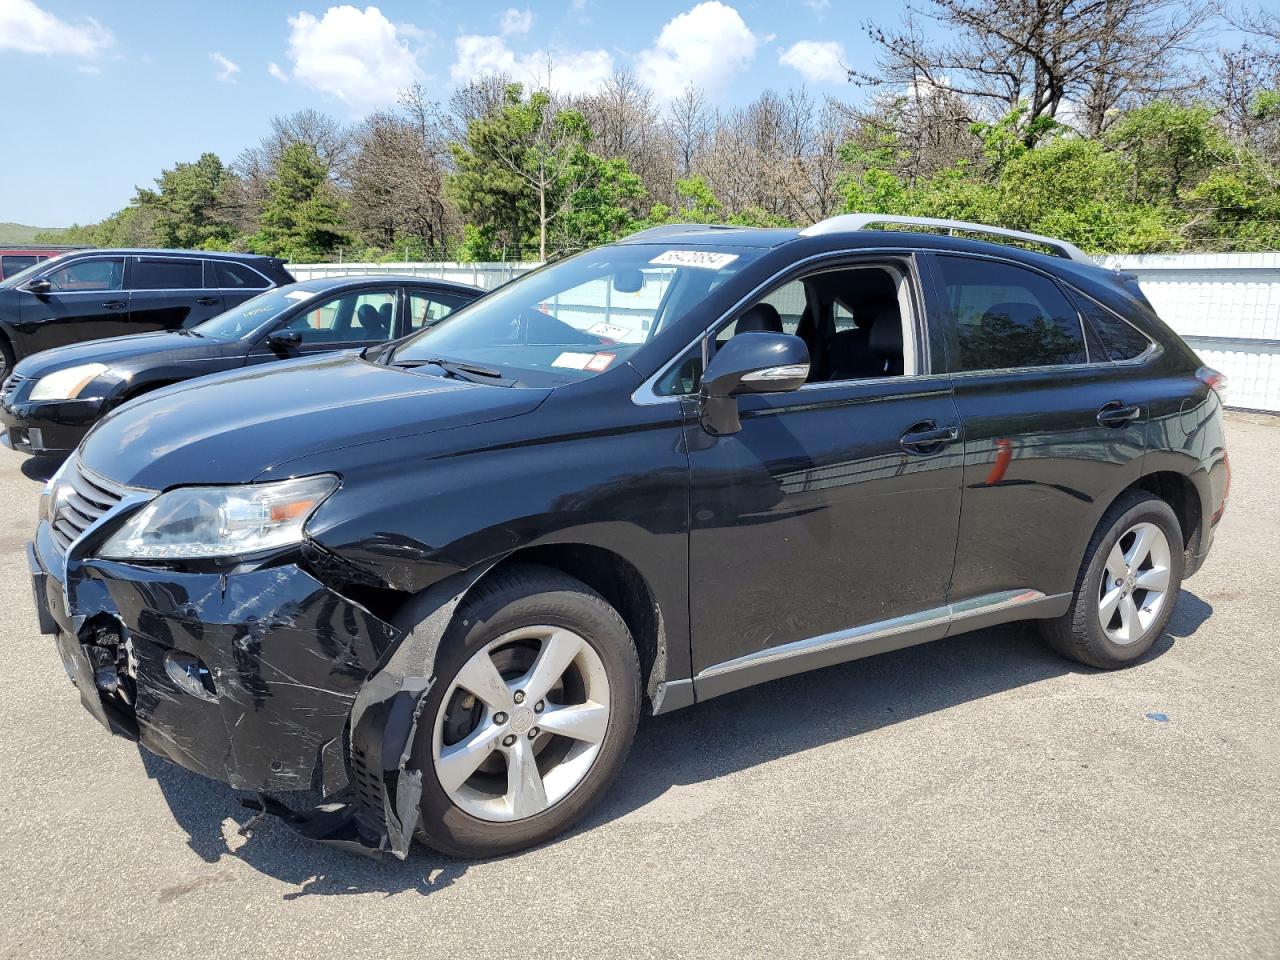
1118 414
207 301
927 437
115 304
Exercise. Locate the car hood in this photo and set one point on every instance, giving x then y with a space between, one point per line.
121 352
230 427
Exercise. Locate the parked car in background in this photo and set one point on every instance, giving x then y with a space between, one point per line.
438 581
15 259
91 294
52 398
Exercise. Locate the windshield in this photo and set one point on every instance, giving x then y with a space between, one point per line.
581 316
252 314
24 275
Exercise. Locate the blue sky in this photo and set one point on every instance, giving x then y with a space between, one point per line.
120 90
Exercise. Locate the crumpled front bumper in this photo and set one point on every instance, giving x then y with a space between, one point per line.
267 680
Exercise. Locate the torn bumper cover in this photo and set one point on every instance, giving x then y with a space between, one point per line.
266 680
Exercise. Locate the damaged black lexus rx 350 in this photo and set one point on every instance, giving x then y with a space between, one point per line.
436 582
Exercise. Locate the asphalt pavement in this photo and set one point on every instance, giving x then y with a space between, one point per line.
976 797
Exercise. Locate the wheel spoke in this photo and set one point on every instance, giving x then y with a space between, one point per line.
480 677
1157 579
1107 607
1129 626
460 760
558 651
1116 567
526 794
1143 539
581 721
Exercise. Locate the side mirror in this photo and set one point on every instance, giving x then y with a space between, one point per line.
750 363
284 340
38 285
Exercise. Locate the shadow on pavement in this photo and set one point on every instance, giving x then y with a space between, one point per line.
706 741
40 468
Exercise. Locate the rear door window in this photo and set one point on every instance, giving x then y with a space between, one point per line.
13 263
1007 317
98 273
150 274
429 307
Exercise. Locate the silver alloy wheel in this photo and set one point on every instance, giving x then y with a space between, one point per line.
547 746
1135 583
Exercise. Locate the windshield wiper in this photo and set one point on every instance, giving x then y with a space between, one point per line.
463 370
189 332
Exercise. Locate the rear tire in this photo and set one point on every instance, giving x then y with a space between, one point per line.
1126 588
512 762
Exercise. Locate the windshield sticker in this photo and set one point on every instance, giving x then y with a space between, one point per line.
574 361
297 295
255 311
610 330
600 362
703 259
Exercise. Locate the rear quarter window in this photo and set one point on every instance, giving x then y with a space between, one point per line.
236 276
1121 339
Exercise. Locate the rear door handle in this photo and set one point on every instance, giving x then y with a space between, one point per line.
207 301
1118 414
927 437
114 304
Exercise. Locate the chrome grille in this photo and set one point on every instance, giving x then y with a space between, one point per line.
11 386
80 499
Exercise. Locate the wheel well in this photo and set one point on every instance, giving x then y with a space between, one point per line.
142 388
1180 493
622 587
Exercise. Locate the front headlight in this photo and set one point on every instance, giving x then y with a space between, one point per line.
212 522
67 384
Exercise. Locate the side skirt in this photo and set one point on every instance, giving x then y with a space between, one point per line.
872 638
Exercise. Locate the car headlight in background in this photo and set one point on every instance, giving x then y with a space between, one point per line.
213 522
67 384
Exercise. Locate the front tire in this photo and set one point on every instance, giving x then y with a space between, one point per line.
1127 586
534 708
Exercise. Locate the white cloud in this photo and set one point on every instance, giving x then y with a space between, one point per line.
512 21
572 72
273 68
819 61
360 57
227 69
704 47
818 6
25 27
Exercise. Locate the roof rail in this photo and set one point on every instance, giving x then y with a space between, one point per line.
673 230
848 222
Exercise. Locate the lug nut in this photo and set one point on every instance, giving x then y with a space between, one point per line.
519 697
539 707
1119 582
499 717
533 734
509 740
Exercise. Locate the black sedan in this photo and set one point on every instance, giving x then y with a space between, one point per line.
53 398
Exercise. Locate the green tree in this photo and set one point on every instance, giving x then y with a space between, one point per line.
188 204
303 216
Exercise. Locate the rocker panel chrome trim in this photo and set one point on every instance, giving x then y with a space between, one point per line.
872 638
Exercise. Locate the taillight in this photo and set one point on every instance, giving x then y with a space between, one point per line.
1214 381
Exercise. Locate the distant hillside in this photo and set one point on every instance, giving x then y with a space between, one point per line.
20 232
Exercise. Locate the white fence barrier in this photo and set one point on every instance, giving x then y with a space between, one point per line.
1225 305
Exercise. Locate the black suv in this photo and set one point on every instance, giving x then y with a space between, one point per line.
90 294
52 398
437 582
